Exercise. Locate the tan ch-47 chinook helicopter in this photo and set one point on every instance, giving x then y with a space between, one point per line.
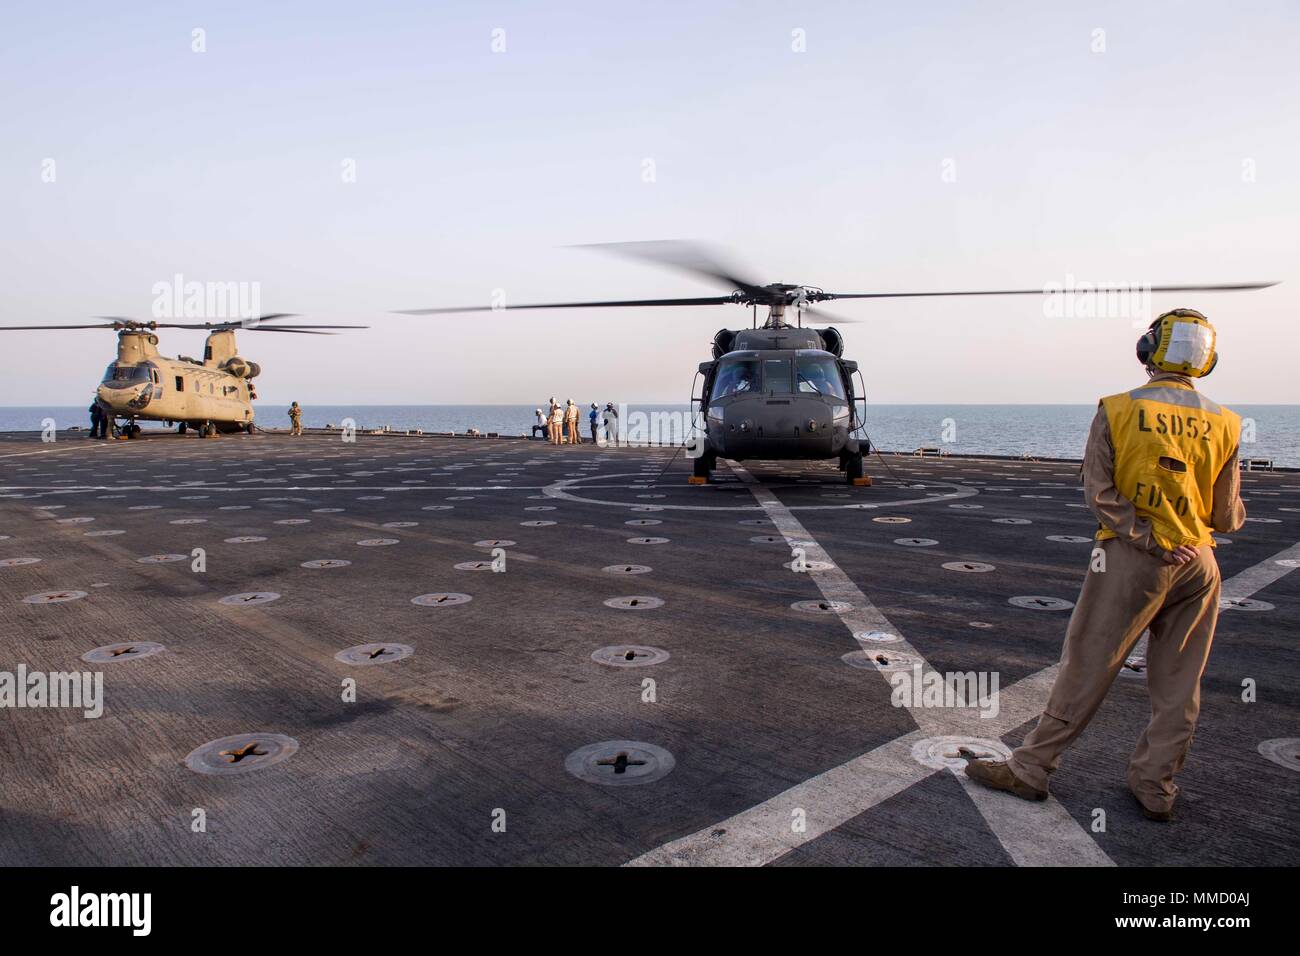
212 396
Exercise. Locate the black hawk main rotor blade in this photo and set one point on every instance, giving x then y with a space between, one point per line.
612 304
1223 287
684 256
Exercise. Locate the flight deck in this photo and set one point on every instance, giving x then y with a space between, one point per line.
452 651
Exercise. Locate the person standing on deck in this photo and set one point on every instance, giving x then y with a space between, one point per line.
295 419
1160 473
98 423
611 424
591 419
557 423
571 423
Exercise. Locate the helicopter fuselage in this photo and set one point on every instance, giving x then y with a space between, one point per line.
779 393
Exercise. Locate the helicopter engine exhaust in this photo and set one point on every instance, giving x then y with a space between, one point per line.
242 367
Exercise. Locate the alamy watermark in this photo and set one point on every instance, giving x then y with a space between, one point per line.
932 689
662 427
1077 299
83 690
210 301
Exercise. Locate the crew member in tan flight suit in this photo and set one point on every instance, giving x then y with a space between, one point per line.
295 419
571 424
1160 473
557 423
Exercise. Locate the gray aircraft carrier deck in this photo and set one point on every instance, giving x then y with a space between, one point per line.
740 712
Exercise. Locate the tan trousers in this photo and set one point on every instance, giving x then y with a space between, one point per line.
295 426
1180 604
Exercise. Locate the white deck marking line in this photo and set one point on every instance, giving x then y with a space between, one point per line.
564 489
262 485
47 451
1041 834
1242 585
763 833
1260 576
1026 831
760 835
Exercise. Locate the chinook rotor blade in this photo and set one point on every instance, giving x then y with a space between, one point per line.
213 326
685 256
1223 287
613 304
291 328
304 329
16 328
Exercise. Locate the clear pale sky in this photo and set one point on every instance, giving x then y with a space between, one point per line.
475 169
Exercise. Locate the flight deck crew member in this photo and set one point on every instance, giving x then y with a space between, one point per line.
611 424
97 423
540 424
557 423
1160 473
571 423
295 419
591 419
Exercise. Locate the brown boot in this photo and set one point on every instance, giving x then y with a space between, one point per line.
1160 816
996 775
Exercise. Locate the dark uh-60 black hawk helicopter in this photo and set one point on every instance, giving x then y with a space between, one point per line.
777 391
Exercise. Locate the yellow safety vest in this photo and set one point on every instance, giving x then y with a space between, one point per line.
1170 442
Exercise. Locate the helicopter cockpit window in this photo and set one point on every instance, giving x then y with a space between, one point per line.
126 373
820 375
776 375
737 375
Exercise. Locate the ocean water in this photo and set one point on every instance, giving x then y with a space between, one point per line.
1050 431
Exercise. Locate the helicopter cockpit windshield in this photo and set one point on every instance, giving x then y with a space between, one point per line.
126 374
820 374
735 375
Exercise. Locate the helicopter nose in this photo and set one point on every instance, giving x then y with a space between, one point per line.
121 400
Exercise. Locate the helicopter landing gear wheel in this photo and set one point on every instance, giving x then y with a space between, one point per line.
131 430
703 466
250 428
208 430
180 429
853 467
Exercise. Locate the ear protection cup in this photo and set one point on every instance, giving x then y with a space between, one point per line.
1147 343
